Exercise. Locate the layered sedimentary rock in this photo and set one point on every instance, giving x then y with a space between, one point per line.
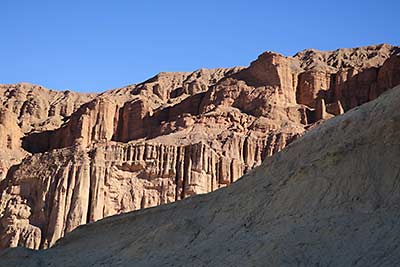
177 134
337 205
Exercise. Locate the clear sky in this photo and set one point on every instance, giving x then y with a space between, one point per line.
94 45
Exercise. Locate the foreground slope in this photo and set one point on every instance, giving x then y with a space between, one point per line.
330 198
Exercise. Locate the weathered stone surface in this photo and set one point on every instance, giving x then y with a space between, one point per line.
330 198
173 136
15 227
72 186
37 108
30 108
10 141
276 72
351 76
93 121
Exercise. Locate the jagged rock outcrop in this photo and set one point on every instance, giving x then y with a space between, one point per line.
29 108
93 121
351 76
71 186
177 134
37 108
275 71
10 141
337 204
273 86
15 227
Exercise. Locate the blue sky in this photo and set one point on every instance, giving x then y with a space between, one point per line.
94 45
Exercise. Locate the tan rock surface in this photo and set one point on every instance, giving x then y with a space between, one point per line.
337 204
37 108
15 227
27 108
173 136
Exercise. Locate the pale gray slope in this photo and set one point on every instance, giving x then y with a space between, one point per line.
332 198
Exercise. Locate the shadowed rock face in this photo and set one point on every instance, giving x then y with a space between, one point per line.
85 157
335 204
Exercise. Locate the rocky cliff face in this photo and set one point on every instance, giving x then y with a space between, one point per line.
26 109
173 136
337 204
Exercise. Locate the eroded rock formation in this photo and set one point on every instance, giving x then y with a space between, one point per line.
15 227
175 135
26 109
330 198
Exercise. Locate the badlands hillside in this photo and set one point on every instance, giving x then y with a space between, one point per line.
69 159
331 198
